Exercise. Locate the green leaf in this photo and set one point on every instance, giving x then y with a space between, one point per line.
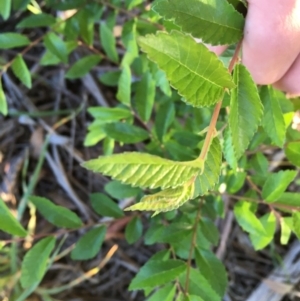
289 199
292 152
166 293
145 170
228 149
209 230
296 223
34 264
286 231
144 98
124 86
110 78
83 66
39 20
56 215
273 121
199 286
247 219
212 269
207 180
3 102
214 21
276 184
157 272
108 42
269 223
109 114
130 4
125 132
5 7
54 44
21 71
8 223
165 200
165 115
120 191
13 40
94 136
134 230
245 110
198 75
89 245
105 206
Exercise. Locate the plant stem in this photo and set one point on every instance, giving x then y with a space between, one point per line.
216 112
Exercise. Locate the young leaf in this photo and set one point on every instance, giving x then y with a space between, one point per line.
247 219
12 40
124 86
39 20
108 42
94 136
273 121
125 132
165 200
276 184
211 171
32 272
89 245
292 152
55 45
3 102
157 272
198 75
56 215
144 98
214 21
245 110
286 231
212 269
83 66
105 206
21 71
8 223
5 7
269 223
166 293
145 170
134 230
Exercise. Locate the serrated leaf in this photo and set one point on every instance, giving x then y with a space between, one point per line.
214 21
292 152
212 269
3 102
269 223
21 71
83 66
134 230
209 230
245 110
8 223
157 272
108 42
39 20
228 149
124 86
105 206
273 121
55 45
166 293
12 40
125 132
165 200
145 170
207 180
56 215
276 184
247 219
144 97
89 245
5 7
32 272
198 75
